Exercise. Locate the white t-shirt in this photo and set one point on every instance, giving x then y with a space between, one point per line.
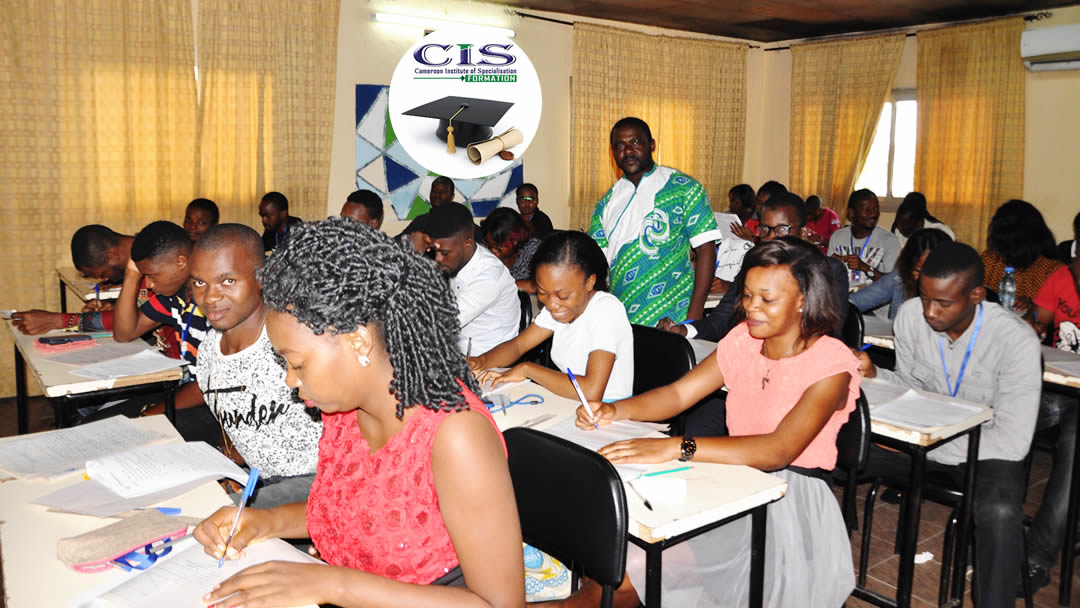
602 326
488 307
879 251
247 393
926 224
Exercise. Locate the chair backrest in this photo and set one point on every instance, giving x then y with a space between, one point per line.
526 311
660 358
571 503
853 440
853 330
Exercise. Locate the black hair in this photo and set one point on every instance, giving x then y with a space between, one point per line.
224 235
745 194
90 245
442 179
371 201
526 186
787 200
449 219
920 242
631 122
859 196
159 238
816 201
1019 234
952 258
505 226
208 206
772 187
337 274
914 205
1076 225
277 200
574 248
811 271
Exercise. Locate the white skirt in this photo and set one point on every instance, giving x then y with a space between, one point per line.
807 556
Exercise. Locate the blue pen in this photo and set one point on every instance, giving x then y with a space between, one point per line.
866 346
252 478
97 292
581 396
686 322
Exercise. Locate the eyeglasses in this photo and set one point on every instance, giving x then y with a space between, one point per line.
526 198
778 230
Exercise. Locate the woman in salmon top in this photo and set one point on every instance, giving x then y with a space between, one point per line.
790 389
412 496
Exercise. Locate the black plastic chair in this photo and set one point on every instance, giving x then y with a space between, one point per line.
526 311
660 358
852 455
578 516
852 332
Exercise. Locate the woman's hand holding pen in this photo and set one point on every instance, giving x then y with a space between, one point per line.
603 413
255 525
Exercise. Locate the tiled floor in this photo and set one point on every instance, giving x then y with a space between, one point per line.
882 564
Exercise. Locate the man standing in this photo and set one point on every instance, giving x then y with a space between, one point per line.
488 306
274 212
646 225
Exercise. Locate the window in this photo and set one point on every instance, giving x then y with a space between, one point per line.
890 166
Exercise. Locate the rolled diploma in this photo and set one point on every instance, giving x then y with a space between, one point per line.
483 150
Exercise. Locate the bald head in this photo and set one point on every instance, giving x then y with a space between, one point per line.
239 236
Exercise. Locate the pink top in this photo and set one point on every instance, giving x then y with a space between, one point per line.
825 226
380 512
752 410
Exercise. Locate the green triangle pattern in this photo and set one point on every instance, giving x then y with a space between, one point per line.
419 207
391 137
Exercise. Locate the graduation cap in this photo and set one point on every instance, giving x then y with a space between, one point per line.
462 120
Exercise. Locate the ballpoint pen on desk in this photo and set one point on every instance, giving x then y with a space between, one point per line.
866 347
639 495
252 478
581 396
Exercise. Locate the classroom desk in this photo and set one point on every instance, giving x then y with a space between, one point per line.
65 389
1056 377
32 575
916 444
744 490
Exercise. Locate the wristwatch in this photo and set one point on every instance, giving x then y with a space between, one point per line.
688 447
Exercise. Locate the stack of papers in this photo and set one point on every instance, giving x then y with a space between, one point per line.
917 411
56 453
142 362
105 294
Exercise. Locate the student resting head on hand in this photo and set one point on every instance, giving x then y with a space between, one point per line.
412 491
790 389
589 329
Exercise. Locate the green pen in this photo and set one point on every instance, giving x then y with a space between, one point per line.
666 471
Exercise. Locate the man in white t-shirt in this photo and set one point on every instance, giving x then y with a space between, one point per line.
869 250
241 377
488 307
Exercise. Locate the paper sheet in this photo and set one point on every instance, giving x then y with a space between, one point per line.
922 413
730 248
607 434
1061 361
99 353
55 453
880 392
876 326
105 294
89 497
143 362
181 579
150 469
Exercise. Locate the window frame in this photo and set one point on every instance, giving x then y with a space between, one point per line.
890 203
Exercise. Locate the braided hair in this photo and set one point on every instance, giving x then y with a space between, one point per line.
337 274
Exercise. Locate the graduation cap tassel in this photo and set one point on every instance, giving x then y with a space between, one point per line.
450 147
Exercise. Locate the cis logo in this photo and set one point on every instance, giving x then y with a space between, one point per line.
441 54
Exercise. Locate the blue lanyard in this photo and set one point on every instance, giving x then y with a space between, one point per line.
184 334
967 355
851 240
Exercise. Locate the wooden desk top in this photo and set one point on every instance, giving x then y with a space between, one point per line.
682 501
56 379
33 576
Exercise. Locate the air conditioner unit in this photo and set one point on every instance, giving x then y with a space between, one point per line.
1052 48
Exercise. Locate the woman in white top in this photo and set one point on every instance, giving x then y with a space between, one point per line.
912 216
589 328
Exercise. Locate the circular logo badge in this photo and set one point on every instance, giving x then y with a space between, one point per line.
465 103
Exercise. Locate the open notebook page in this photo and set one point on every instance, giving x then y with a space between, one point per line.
154 468
56 453
594 439
180 580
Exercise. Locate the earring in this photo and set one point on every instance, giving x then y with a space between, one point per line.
363 360
800 310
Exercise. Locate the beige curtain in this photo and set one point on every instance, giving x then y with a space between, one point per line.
691 92
969 156
97 125
267 80
837 91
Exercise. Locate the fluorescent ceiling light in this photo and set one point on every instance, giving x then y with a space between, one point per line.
435 24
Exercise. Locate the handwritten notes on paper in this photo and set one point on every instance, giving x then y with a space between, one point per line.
55 453
143 362
150 469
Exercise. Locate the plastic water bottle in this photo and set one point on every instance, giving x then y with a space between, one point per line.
1007 288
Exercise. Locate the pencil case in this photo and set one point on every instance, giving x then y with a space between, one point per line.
96 550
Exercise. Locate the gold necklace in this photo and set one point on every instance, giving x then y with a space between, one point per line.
768 370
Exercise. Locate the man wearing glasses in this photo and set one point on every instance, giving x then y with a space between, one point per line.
781 215
528 202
